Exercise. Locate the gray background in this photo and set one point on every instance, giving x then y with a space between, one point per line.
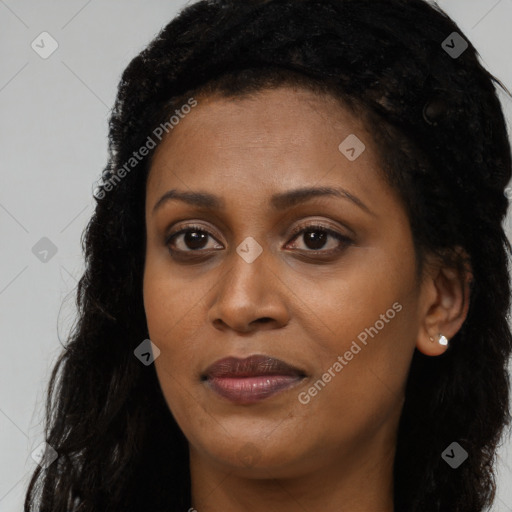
53 138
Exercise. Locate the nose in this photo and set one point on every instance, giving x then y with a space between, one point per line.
249 296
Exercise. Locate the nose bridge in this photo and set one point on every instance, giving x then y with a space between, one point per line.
247 266
245 293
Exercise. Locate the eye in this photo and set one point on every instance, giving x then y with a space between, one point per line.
316 236
194 238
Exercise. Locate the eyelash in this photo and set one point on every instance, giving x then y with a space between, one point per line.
299 230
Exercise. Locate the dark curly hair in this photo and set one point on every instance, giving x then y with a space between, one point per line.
443 145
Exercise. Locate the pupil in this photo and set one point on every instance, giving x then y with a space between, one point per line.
195 239
313 237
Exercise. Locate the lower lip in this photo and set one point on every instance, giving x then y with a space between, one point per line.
246 390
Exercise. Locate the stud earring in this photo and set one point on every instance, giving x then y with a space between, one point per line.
442 340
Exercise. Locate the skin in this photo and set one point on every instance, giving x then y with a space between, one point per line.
336 452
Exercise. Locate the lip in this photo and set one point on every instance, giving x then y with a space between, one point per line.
252 379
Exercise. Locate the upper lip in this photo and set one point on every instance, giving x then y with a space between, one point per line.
250 367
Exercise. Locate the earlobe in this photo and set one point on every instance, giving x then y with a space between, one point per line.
446 295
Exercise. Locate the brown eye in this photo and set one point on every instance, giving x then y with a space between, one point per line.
316 237
194 238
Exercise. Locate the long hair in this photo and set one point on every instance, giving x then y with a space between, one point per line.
443 145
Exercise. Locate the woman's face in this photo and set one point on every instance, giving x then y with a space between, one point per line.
343 313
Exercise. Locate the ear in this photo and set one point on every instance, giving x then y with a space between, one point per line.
444 303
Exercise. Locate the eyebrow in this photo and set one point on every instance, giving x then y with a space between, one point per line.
280 201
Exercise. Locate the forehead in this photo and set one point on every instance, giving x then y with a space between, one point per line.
263 143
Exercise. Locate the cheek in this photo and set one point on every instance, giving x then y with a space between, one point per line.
362 383
368 322
171 305
175 312
171 327
357 302
158 305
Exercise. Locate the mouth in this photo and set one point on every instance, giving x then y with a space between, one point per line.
250 380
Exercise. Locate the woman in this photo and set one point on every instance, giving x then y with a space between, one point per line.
296 287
